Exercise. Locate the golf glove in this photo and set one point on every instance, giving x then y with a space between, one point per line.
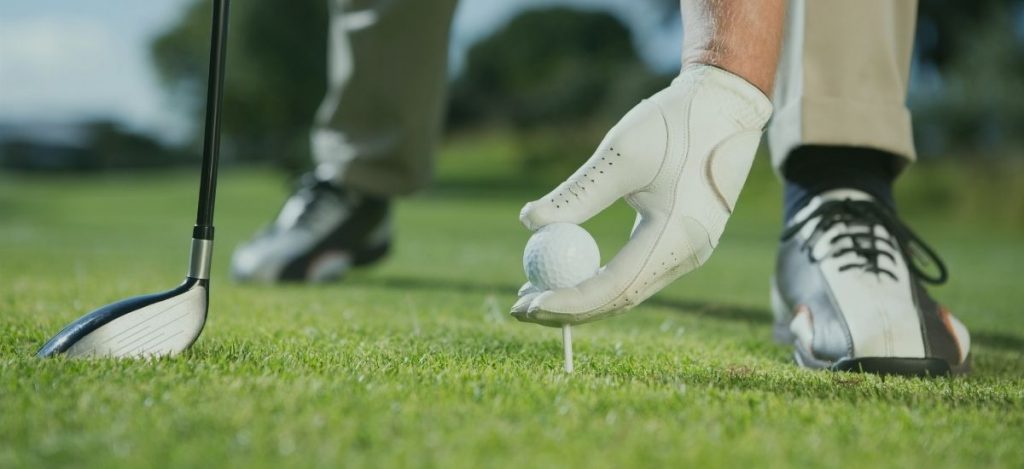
679 159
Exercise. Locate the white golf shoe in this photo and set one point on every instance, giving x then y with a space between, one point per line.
847 292
321 232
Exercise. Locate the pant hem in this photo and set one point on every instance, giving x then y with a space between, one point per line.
839 122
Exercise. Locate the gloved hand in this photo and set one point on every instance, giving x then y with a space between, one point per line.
679 159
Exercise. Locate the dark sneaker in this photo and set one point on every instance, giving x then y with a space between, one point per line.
847 292
321 232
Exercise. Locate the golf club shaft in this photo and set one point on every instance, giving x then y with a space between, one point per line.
211 139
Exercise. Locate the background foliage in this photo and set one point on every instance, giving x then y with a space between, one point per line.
558 78
555 79
277 75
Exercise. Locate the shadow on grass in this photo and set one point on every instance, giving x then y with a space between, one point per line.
997 340
703 309
693 307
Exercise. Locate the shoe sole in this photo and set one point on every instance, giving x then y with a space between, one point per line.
365 257
919 367
884 366
360 258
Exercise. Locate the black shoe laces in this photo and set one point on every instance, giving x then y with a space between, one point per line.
868 245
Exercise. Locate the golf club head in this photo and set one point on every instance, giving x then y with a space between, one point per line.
161 324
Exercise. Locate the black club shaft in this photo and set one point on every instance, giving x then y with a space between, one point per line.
211 137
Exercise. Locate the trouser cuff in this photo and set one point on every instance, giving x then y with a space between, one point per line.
838 122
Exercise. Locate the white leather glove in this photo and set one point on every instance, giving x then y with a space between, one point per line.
680 159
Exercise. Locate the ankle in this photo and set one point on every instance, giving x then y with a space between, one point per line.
813 169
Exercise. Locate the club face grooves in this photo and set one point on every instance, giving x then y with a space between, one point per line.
90 323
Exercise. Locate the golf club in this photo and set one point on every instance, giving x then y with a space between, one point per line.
163 323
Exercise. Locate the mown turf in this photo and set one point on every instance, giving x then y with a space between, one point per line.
416 363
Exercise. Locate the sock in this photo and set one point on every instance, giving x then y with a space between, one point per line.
813 169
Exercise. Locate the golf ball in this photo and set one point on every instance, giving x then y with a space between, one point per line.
560 255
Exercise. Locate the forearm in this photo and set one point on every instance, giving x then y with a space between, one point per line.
741 36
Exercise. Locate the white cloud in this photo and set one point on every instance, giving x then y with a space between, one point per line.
54 68
61 68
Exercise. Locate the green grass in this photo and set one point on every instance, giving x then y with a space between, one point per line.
416 362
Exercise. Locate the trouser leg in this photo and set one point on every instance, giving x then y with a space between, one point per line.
843 77
378 126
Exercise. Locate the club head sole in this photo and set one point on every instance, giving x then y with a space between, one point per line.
162 324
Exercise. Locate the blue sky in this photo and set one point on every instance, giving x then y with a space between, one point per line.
65 60
69 60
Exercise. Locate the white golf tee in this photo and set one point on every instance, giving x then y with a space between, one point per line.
567 345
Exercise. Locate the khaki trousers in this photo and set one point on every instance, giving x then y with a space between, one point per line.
379 124
843 77
842 80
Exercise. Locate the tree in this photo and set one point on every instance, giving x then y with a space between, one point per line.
548 67
276 74
978 51
558 77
